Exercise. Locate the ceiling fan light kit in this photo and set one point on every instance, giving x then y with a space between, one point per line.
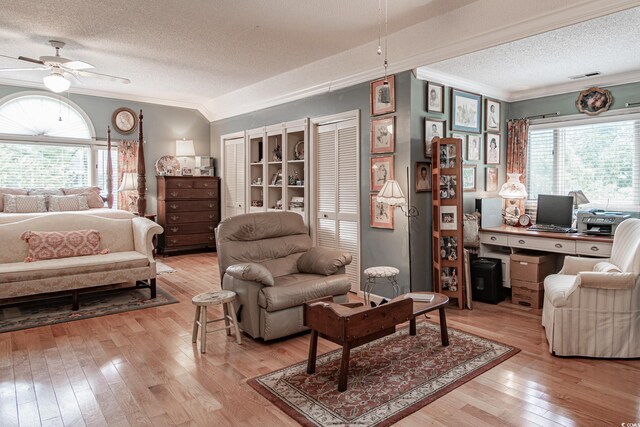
56 82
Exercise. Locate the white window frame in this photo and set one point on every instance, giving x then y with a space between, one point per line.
582 120
93 143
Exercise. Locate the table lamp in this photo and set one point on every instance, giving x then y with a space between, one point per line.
130 183
578 198
392 195
512 190
184 148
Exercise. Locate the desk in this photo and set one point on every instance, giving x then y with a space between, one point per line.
500 242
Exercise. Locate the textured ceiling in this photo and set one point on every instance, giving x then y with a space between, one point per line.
540 64
226 57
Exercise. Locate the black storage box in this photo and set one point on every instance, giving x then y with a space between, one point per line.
486 280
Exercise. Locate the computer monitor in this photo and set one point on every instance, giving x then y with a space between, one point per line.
554 210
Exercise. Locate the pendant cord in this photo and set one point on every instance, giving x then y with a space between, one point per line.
386 36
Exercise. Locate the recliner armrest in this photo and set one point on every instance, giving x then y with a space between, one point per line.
251 272
325 261
591 279
574 265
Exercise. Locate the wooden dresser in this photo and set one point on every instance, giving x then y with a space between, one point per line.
189 212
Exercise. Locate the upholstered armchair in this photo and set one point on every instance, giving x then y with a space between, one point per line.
592 306
267 259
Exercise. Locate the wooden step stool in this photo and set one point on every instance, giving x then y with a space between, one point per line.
202 301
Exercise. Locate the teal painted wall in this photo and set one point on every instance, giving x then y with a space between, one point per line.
565 103
162 126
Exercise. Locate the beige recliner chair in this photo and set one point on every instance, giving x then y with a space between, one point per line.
592 306
267 260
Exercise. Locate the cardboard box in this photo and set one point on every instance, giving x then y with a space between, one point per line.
526 296
531 266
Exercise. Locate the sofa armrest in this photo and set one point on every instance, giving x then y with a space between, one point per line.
251 272
597 280
143 231
574 265
323 261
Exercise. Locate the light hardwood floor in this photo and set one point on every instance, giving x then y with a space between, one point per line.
140 368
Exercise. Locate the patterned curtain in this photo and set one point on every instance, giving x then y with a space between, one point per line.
127 162
517 143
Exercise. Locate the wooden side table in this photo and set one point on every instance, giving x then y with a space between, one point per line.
202 301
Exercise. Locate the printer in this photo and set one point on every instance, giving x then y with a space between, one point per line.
599 222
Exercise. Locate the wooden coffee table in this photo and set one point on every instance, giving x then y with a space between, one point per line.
420 307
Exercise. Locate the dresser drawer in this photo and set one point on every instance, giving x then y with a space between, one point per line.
189 205
595 249
493 238
180 183
211 184
190 239
543 244
190 193
188 217
196 227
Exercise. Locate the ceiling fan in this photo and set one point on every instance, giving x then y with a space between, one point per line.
60 68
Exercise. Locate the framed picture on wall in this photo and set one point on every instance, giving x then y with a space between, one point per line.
448 217
381 170
381 214
461 136
491 180
492 149
435 98
380 105
382 135
474 142
423 177
466 110
492 116
432 129
469 178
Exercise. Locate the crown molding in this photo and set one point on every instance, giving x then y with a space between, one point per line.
112 95
424 73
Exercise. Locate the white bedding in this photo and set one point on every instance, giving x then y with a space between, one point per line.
6 218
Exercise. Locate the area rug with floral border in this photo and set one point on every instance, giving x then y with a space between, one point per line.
49 311
388 379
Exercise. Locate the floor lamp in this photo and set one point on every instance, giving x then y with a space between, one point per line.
392 195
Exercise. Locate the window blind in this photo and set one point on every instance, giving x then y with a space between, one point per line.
26 165
101 172
600 158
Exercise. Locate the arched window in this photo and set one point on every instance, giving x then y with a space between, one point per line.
48 142
44 116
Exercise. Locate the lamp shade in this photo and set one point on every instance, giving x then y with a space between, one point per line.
513 188
578 197
184 148
56 82
391 194
129 182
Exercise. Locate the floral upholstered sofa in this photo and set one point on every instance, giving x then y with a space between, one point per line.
123 253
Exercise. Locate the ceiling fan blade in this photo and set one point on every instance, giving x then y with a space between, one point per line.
35 61
24 69
102 76
77 65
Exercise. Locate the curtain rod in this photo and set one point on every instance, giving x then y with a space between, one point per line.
544 116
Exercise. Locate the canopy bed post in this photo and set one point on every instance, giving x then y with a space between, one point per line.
109 171
142 182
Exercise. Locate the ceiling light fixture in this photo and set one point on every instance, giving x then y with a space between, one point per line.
385 92
56 82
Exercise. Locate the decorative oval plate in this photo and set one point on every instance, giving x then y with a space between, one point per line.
167 165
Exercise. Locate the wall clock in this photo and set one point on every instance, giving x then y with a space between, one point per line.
124 120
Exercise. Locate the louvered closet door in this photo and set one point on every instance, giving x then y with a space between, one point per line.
233 177
337 224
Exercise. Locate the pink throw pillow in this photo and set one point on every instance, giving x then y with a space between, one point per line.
93 195
62 244
13 191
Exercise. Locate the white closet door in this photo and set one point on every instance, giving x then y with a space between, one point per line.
337 192
233 177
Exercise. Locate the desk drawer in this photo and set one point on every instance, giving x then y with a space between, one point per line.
595 249
493 238
543 244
